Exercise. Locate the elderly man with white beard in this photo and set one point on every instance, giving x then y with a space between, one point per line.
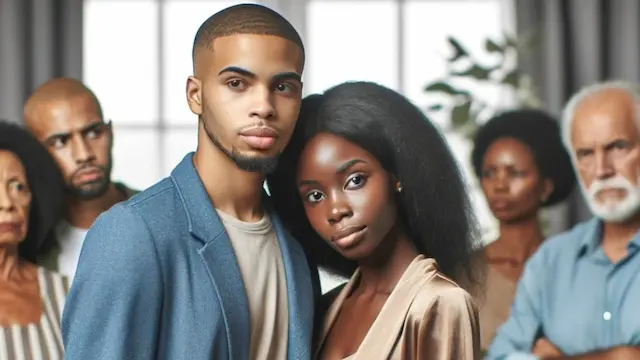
579 295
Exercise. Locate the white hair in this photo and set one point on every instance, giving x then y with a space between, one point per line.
569 110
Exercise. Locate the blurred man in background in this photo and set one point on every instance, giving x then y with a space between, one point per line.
67 118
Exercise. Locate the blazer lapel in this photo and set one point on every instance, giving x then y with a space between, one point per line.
299 294
220 260
217 255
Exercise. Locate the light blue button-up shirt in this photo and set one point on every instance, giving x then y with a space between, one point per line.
573 295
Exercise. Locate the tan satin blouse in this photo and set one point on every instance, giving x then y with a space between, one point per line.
426 317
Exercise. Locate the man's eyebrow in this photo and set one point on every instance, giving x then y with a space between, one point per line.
59 135
62 135
93 126
237 70
289 75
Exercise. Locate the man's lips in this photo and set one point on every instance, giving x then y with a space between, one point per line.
88 175
262 138
262 131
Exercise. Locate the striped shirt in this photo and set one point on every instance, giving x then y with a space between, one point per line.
42 341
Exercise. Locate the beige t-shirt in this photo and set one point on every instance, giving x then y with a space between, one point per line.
260 260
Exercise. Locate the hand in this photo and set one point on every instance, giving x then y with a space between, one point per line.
545 349
623 353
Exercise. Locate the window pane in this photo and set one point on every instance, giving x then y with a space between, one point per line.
177 143
182 18
121 58
351 40
135 157
427 24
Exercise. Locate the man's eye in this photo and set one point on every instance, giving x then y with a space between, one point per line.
236 84
58 143
284 87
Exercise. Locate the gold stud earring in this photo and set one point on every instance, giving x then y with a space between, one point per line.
399 188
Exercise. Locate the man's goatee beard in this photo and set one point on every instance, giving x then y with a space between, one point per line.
264 166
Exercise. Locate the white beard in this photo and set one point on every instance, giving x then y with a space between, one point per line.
615 211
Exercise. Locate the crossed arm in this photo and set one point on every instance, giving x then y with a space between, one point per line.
545 350
518 338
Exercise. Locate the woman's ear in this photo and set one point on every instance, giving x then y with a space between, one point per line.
547 190
396 184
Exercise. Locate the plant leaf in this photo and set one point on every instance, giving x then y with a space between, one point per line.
459 50
442 87
435 107
469 131
475 71
511 41
512 79
523 42
492 47
461 115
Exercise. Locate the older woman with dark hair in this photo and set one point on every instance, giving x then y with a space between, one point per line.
372 191
31 201
522 166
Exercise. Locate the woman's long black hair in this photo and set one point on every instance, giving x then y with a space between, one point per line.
434 204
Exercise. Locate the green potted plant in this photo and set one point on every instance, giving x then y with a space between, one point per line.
466 110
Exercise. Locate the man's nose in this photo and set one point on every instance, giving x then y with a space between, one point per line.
604 168
82 153
263 107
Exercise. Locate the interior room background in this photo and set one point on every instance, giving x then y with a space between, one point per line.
135 55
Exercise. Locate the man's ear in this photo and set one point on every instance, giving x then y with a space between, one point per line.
547 190
194 95
109 126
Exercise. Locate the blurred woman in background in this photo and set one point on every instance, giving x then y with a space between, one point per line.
31 201
522 166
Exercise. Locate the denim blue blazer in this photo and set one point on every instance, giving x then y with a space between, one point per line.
158 279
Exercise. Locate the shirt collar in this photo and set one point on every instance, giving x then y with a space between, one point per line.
592 236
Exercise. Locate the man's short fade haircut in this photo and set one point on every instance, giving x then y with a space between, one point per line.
239 19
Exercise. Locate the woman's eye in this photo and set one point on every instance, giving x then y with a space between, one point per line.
356 181
18 186
314 196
